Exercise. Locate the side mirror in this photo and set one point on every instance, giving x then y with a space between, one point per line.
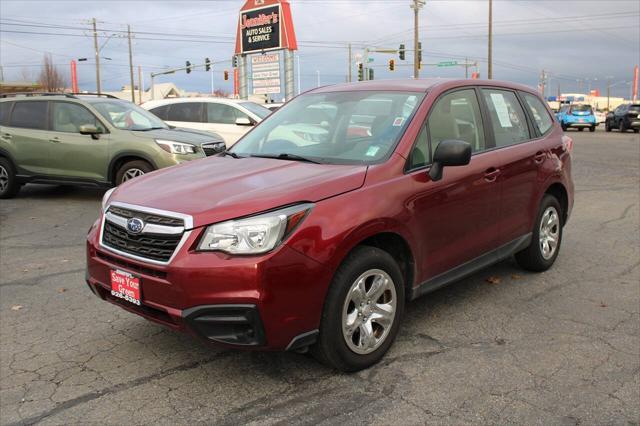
449 153
87 129
243 121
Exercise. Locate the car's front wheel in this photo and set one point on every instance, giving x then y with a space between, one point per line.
132 169
580 129
362 311
607 126
592 128
9 185
545 238
564 127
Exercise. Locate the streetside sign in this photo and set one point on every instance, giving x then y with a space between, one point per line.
447 63
265 73
265 25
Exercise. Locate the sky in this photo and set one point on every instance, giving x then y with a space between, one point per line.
580 44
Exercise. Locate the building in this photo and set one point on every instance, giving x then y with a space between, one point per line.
601 103
19 86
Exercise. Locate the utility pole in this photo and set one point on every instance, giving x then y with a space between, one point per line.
95 47
466 68
133 92
489 47
417 4
350 65
140 84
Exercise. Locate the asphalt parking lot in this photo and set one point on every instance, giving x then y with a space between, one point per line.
503 346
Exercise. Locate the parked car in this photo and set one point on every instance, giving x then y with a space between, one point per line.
278 246
579 116
229 118
87 140
601 117
625 117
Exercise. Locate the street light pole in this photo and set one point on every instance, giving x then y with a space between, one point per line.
97 52
133 93
417 4
490 43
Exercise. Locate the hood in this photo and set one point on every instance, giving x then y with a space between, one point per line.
178 134
221 188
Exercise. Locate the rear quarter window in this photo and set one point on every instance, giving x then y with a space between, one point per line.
5 108
29 115
541 117
162 112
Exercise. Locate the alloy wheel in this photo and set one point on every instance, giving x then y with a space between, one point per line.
369 311
4 179
549 232
132 173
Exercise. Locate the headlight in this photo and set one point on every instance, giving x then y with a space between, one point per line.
254 235
176 147
105 198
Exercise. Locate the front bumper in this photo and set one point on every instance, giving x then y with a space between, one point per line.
267 301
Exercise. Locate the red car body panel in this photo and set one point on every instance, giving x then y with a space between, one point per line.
444 224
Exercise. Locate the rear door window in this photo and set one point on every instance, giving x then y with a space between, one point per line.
539 113
29 115
5 108
507 117
186 111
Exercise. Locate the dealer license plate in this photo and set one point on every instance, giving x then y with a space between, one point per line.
125 286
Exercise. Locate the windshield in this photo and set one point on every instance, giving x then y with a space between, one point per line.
581 108
127 116
258 110
340 127
635 108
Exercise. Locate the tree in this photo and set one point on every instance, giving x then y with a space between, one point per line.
218 93
51 78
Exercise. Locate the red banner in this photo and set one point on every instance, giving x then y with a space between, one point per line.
74 77
634 95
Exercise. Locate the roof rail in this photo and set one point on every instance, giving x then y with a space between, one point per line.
15 94
106 95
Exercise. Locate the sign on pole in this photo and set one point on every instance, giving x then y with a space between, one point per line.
447 63
265 73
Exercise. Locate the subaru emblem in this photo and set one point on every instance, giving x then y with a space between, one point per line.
135 225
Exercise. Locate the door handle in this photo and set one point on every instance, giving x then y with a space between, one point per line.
491 174
55 140
539 157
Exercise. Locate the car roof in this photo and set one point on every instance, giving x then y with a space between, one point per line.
167 101
418 85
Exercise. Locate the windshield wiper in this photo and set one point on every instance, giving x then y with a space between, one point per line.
287 156
230 154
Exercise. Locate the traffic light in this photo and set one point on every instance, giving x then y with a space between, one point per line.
370 73
226 75
419 53
360 71
401 52
392 65
234 61
207 64
188 67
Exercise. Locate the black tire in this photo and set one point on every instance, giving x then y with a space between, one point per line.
607 127
580 129
622 127
636 130
9 185
564 127
532 257
592 128
130 167
331 347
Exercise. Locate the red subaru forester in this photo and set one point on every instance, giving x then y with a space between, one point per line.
318 226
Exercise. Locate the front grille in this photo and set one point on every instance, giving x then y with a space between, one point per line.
146 217
153 246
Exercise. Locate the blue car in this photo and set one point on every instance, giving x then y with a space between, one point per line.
579 116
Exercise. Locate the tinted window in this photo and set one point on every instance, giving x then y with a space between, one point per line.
128 116
161 112
68 117
420 155
507 117
539 112
581 108
635 108
456 116
223 114
5 108
186 111
29 115
258 110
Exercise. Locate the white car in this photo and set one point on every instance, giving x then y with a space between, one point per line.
601 117
229 118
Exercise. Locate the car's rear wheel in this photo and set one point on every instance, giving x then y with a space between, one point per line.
545 238
362 311
592 128
131 170
580 129
9 185
564 127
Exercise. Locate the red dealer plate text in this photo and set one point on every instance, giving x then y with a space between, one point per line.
125 286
